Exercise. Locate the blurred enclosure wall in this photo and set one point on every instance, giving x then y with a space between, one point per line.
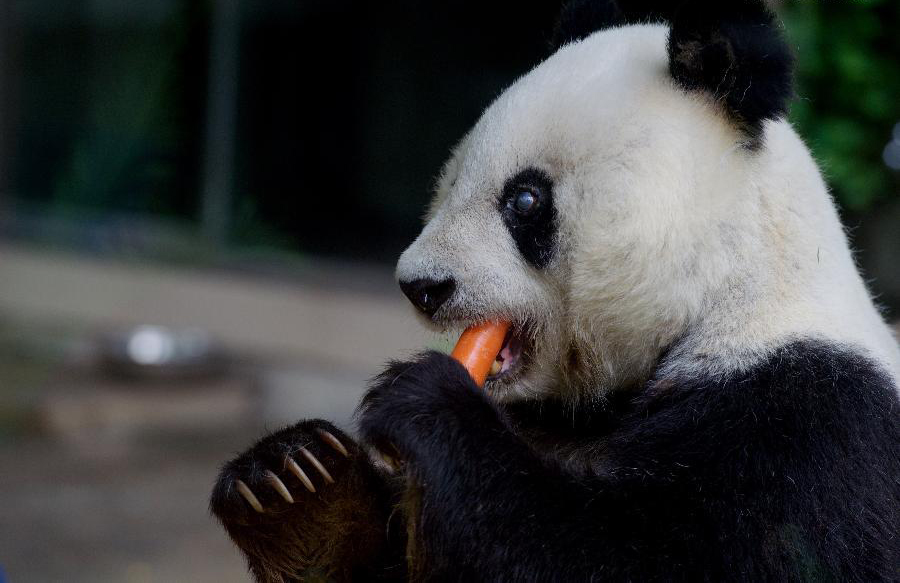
246 172
314 127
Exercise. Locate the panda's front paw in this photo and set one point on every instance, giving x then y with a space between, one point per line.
305 503
413 405
288 467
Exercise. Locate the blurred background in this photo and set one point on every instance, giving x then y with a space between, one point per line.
200 206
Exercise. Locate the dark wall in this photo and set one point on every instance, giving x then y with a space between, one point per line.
347 112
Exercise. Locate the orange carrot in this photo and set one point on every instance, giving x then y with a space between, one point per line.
478 347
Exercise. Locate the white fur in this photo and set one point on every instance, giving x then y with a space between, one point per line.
671 232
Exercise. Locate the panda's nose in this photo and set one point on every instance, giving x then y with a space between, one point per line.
427 294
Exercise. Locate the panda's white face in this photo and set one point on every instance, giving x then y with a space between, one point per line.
556 210
604 211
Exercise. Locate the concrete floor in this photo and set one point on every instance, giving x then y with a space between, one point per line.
76 517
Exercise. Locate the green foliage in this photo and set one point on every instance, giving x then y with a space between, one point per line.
848 91
118 162
109 109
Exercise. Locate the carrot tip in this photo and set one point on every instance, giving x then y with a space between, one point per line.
478 347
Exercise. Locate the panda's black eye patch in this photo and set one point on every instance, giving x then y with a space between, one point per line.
526 206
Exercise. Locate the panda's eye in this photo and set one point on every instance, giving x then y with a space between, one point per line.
525 201
526 207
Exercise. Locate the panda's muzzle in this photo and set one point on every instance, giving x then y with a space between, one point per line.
510 354
428 295
513 355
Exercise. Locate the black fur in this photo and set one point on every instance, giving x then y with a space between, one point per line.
535 233
736 52
787 472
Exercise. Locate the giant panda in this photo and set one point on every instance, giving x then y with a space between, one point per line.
697 384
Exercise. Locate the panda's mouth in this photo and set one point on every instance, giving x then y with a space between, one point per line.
512 356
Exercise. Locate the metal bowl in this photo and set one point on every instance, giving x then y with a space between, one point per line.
160 351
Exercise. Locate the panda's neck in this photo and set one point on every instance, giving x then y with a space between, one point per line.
774 306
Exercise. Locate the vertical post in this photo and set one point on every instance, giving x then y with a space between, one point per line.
6 98
221 116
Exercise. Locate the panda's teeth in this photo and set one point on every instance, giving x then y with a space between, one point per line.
496 366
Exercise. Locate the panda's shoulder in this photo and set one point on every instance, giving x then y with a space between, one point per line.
804 392
810 363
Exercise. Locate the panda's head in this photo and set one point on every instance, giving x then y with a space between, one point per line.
588 204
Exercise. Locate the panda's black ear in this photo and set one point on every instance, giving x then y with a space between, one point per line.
580 18
735 51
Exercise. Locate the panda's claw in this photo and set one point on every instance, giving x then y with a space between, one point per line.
333 441
279 486
301 475
317 464
248 495
391 464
